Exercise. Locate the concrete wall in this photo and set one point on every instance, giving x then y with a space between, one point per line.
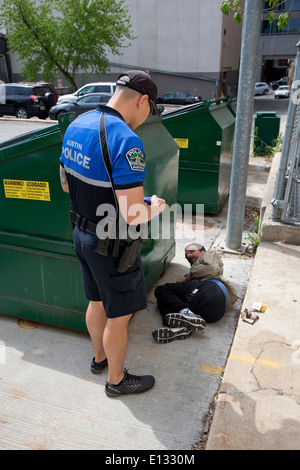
187 38
174 35
231 39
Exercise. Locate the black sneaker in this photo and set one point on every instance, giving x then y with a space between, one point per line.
165 335
189 320
130 384
97 367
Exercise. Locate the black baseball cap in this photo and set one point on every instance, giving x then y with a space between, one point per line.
141 82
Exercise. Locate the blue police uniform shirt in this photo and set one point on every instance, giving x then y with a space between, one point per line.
81 157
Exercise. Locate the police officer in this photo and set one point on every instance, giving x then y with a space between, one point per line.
113 296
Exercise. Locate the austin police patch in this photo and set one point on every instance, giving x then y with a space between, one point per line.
136 159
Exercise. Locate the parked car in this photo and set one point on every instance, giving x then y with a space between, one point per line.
178 97
277 83
99 87
25 100
261 88
52 89
282 92
81 105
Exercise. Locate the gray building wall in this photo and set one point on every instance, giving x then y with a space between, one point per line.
183 46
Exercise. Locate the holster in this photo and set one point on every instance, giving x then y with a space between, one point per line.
128 251
103 247
129 255
107 247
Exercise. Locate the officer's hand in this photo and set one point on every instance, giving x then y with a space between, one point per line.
158 203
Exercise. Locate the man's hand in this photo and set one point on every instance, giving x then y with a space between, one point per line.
182 278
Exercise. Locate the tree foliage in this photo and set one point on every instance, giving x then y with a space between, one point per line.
282 19
61 37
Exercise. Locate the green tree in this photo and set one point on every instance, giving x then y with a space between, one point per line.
282 19
61 37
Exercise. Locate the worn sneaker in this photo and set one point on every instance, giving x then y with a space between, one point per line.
97 367
165 335
130 384
189 320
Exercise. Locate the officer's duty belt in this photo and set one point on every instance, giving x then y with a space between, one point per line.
127 250
84 224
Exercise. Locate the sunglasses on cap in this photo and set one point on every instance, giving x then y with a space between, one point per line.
153 108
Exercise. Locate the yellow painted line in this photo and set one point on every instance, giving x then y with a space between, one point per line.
253 360
211 369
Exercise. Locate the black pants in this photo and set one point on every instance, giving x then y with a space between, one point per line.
209 302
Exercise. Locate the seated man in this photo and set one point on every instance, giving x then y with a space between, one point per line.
200 297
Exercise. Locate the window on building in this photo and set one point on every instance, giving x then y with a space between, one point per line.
288 5
293 26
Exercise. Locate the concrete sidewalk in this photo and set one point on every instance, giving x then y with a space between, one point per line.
258 401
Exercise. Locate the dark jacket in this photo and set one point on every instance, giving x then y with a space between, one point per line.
210 266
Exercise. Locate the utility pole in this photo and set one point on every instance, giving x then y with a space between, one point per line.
244 116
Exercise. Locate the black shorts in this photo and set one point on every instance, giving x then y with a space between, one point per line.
121 293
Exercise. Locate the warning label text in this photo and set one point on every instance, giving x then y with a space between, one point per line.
19 189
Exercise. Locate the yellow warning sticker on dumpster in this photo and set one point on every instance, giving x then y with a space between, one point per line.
182 143
19 189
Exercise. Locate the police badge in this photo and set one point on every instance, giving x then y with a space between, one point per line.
136 159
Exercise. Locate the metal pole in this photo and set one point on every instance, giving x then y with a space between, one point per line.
244 116
279 187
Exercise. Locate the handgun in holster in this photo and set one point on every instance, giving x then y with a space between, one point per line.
108 246
129 255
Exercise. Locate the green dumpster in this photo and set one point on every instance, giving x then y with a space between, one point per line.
205 135
39 272
267 125
232 105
